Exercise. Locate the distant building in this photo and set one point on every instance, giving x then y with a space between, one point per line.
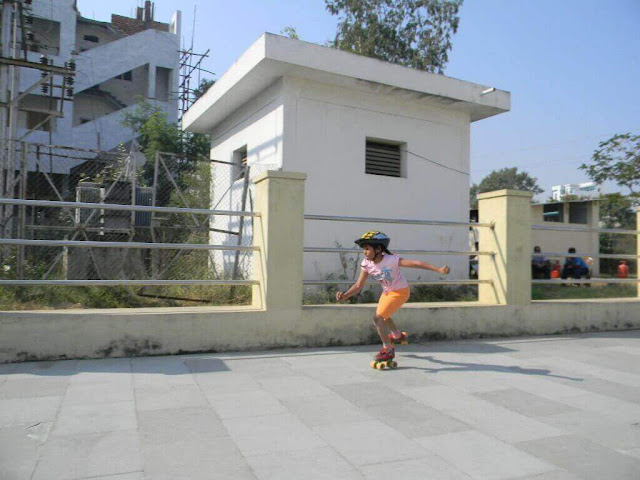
117 63
582 190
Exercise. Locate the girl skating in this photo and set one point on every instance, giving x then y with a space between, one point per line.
382 265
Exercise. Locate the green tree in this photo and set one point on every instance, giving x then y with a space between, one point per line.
616 211
617 160
155 133
205 84
504 178
413 33
290 32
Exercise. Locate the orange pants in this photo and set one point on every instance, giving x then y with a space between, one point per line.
390 302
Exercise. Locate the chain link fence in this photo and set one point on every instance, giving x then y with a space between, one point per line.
125 177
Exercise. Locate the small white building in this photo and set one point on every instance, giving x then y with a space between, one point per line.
375 140
117 63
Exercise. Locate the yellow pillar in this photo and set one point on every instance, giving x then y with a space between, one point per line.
510 239
279 232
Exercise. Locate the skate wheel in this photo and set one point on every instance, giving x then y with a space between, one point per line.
393 364
381 366
373 364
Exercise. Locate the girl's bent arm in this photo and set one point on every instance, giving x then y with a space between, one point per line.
424 265
355 288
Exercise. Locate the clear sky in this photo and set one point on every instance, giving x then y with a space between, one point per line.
572 67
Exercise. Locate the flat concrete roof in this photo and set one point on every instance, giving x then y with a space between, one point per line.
272 57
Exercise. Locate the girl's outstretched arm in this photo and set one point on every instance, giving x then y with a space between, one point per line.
424 265
355 288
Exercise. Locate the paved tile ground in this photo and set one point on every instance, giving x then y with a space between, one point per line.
557 407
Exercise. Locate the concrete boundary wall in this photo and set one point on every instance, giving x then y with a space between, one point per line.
277 317
52 335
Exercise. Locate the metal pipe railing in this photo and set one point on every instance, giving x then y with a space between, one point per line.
441 223
141 245
592 255
586 280
128 208
403 252
111 283
416 282
586 229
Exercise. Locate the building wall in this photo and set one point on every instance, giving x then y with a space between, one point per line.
103 32
326 128
89 107
258 125
129 91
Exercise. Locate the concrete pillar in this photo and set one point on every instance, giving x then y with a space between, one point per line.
151 85
594 222
279 232
510 268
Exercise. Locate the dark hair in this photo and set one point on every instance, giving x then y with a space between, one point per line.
375 245
572 250
536 249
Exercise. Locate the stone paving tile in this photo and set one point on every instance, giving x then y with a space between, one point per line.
98 393
65 368
95 418
484 416
294 386
572 367
598 428
224 382
246 404
18 411
33 387
369 394
160 372
164 426
415 419
525 403
335 376
634 452
195 459
369 442
605 387
171 396
544 386
483 457
555 475
583 457
321 463
271 433
429 467
124 476
325 410
604 405
260 367
619 361
81 456
18 453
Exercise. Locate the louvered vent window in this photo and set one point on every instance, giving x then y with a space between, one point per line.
383 159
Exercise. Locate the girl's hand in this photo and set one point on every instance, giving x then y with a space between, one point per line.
340 297
444 270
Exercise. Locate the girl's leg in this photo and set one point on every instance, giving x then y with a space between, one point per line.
381 327
391 325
